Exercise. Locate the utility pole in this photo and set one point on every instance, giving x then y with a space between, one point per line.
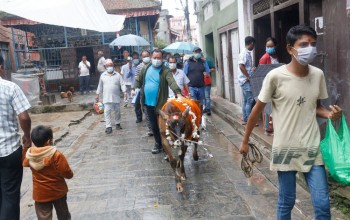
187 19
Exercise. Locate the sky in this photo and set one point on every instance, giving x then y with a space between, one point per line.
171 5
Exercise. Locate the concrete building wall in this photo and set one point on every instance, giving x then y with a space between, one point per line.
213 16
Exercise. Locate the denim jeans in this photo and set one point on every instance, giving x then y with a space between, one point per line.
197 93
248 100
84 83
316 180
207 98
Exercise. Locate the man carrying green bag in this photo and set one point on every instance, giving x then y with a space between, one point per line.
295 91
336 151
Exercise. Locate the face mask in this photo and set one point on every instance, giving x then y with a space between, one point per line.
270 50
146 59
110 69
136 61
172 66
197 55
305 55
156 63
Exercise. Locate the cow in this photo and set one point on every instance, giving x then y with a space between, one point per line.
178 122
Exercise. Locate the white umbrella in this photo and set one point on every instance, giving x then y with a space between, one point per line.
129 40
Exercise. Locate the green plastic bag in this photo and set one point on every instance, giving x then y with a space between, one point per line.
335 149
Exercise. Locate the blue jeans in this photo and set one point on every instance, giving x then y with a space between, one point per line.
207 98
316 180
84 83
197 93
248 101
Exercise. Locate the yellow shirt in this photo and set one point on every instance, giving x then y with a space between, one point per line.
296 133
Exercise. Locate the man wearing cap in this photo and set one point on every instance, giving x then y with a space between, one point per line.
195 69
109 85
129 71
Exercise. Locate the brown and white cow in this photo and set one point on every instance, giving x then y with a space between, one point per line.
178 123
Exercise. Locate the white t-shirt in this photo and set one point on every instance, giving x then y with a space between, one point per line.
101 65
83 69
296 142
181 80
245 58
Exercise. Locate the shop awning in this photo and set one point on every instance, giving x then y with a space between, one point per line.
84 14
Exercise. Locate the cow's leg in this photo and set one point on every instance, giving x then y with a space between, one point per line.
195 152
182 154
167 147
180 174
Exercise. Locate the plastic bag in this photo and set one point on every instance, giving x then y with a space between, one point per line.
335 149
99 107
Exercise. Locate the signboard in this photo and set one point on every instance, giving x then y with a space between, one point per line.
319 25
258 77
347 4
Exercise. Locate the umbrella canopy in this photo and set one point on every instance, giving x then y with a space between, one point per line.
180 47
129 40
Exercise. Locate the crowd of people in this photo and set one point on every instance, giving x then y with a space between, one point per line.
148 85
149 82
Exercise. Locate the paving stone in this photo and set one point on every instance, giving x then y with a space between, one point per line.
117 177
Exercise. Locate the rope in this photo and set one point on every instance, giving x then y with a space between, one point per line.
200 143
253 156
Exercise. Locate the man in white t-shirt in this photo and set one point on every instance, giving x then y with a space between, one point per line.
179 76
101 63
84 75
246 69
295 91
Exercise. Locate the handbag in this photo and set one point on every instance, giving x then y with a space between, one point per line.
335 149
207 80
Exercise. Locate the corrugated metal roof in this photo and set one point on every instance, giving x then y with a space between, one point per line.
117 5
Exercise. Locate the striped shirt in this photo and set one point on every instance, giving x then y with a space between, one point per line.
12 103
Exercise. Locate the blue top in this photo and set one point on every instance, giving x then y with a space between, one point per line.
151 86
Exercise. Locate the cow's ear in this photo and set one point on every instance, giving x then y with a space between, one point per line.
163 115
185 113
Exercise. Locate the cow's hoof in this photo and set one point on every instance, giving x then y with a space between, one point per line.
179 187
195 157
183 177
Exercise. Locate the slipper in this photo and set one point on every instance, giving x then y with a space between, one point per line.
244 123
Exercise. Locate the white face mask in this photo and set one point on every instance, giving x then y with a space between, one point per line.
110 69
146 59
305 55
156 63
172 66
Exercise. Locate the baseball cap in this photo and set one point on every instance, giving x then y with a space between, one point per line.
197 48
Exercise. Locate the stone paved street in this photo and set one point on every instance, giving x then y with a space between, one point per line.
117 177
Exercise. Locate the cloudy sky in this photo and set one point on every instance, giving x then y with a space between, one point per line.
171 5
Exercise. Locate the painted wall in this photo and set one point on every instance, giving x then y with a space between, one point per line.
220 18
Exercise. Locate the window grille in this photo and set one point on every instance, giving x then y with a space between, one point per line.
261 6
278 2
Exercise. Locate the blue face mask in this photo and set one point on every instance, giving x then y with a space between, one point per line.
146 59
270 50
110 69
156 63
136 61
197 56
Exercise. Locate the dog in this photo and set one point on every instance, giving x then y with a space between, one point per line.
68 94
